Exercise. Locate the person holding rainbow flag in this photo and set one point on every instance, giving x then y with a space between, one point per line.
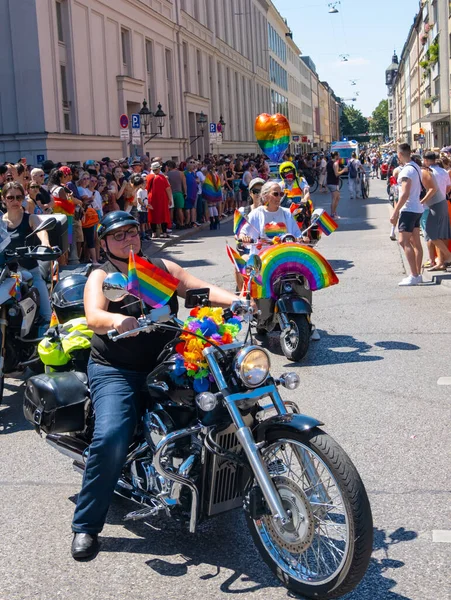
118 370
212 194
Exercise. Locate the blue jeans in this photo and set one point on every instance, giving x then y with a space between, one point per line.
116 401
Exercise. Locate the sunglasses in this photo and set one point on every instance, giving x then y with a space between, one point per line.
256 191
9 178
33 187
120 236
276 194
14 197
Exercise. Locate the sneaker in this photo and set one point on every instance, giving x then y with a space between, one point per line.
411 280
393 237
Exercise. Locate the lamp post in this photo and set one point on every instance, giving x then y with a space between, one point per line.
223 124
147 117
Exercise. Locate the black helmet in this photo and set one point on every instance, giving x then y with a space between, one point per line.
67 297
114 220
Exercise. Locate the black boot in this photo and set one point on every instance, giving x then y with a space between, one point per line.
212 224
84 545
217 223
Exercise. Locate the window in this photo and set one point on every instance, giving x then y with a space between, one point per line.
199 72
150 73
185 65
170 89
126 51
65 98
59 22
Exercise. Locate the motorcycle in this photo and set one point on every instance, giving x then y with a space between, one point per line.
288 306
196 455
20 326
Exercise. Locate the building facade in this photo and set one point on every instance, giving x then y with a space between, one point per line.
87 62
421 97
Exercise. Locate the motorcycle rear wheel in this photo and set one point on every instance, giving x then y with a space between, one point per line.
325 551
295 342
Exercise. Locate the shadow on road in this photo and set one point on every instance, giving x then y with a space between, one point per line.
340 266
11 410
216 544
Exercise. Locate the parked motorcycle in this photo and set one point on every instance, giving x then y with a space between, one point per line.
197 455
19 304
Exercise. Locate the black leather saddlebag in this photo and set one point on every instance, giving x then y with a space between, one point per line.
55 402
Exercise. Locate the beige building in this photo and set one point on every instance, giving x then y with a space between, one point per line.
421 88
87 62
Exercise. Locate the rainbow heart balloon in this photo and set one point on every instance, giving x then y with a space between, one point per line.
273 135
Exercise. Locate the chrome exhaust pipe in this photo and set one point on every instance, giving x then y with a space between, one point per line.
67 445
168 439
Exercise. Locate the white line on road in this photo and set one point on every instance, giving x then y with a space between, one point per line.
441 535
444 381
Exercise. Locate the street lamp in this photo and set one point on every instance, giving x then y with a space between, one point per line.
222 123
147 117
201 121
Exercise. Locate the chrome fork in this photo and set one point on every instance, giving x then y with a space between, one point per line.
246 439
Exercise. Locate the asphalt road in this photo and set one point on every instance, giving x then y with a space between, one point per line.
372 378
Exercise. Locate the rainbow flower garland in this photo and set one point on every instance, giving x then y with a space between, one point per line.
210 323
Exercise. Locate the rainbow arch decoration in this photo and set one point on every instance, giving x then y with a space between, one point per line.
294 258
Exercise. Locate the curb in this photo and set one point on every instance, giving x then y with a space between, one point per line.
151 250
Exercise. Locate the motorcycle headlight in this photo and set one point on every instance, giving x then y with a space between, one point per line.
252 366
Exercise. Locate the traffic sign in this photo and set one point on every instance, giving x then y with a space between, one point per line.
40 158
219 127
136 121
219 138
213 128
125 135
136 136
123 121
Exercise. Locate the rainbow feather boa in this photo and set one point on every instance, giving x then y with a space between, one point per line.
210 323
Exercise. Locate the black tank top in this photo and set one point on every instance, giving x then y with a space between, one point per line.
332 179
22 231
138 353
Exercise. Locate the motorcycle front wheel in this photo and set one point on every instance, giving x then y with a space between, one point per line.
325 550
295 342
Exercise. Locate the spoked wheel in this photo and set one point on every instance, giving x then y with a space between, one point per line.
325 550
313 186
295 342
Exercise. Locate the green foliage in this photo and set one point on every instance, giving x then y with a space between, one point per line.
379 118
352 122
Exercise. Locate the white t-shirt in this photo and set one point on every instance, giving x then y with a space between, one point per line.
97 202
141 196
201 178
413 172
442 178
269 224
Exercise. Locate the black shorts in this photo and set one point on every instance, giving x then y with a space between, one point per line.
143 218
408 221
88 234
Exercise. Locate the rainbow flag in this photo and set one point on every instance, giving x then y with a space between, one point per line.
237 259
239 221
153 285
14 292
324 222
211 188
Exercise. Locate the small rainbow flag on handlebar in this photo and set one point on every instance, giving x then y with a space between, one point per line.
153 285
324 221
237 259
239 221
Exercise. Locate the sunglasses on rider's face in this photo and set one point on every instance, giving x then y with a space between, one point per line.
256 190
276 194
14 197
120 236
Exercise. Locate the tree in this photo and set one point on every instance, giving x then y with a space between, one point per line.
352 122
379 118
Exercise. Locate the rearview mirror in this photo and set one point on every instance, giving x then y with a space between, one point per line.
114 287
254 265
46 225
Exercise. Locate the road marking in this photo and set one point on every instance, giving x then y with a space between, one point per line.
444 381
442 536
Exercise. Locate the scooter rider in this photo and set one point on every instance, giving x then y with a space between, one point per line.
294 185
117 371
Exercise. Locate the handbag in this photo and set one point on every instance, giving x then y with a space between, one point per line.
90 218
423 189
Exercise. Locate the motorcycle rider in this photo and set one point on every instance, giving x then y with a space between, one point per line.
21 224
117 372
294 185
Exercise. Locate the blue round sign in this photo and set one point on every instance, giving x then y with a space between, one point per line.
124 121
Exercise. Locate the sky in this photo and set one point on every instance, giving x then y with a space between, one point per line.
366 31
